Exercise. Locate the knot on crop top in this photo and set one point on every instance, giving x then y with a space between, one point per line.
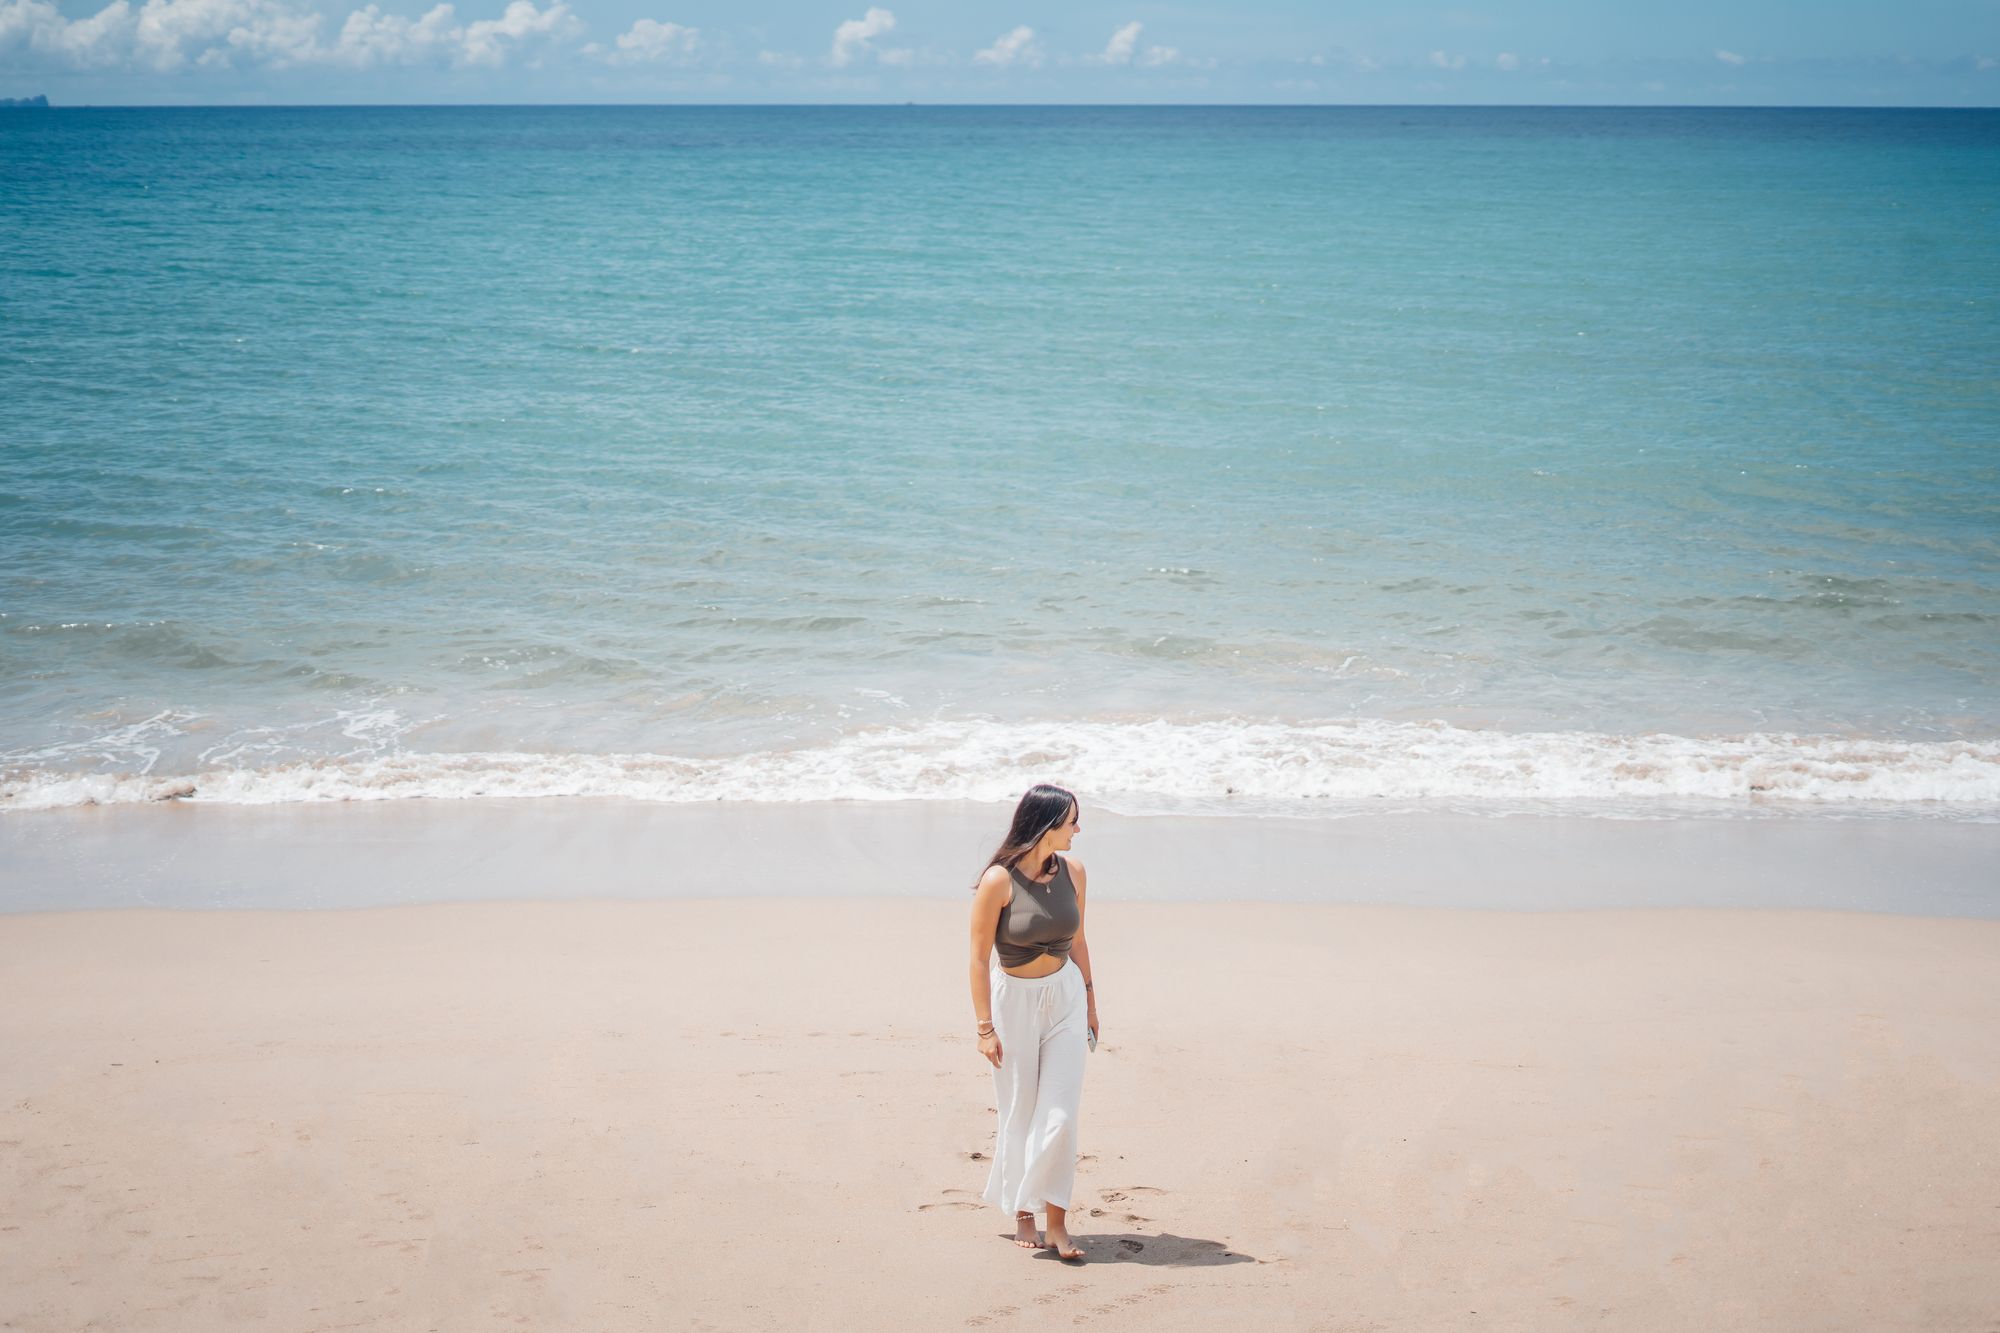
1038 919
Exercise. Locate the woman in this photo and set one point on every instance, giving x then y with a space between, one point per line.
1034 1005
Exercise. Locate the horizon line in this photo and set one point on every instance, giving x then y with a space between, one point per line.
1156 106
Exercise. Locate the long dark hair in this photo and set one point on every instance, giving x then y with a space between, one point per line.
1042 807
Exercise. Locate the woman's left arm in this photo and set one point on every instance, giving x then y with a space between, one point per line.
1080 949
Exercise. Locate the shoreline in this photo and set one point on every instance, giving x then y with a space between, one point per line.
1204 764
769 1114
373 854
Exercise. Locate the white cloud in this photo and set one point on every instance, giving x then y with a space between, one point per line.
1507 60
103 39
170 31
95 40
1443 61
272 36
1986 62
370 37
1729 57
163 34
851 38
899 55
20 20
780 59
169 35
1015 48
649 40
1123 49
1118 51
485 42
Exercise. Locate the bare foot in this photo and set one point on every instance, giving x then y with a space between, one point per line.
1025 1234
1064 1247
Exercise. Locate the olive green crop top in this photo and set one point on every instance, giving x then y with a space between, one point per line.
1038 919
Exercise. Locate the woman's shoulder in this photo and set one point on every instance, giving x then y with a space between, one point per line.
1072 863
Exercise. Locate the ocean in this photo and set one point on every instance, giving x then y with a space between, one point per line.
1297 461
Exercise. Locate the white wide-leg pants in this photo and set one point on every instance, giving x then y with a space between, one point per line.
1036 1088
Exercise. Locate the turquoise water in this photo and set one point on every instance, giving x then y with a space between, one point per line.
1204 458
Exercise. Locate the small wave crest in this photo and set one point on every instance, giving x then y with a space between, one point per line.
1155 766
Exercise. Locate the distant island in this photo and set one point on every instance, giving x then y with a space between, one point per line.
39 99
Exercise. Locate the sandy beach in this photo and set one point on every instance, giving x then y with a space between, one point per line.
769 1113
543 544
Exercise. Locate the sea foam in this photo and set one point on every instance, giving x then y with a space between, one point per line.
1158 766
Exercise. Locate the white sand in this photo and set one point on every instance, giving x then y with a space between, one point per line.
765 1114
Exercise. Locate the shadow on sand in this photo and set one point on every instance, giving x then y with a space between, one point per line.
1164 1250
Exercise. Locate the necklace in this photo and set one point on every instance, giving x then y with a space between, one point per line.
1038 883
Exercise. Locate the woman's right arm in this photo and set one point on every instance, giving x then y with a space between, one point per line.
988 901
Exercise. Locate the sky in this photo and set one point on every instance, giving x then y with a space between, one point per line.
1696 52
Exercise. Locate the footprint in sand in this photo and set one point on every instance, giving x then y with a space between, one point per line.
964 1199
1150 1294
